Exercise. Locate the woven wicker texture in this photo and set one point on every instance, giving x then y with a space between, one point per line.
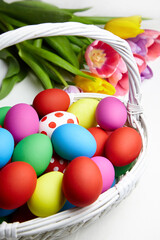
64 223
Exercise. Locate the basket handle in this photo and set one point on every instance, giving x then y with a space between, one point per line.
78 29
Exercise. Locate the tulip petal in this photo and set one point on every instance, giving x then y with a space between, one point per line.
140 61
101 59
147 73
99 85
125 27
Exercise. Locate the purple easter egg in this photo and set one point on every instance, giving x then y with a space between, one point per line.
21 121
107 170
111 113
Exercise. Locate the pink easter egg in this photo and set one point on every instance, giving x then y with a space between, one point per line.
111 113
107 170
21 121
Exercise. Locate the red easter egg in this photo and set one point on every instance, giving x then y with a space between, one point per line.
123 146
17 184
51 100
82 182
57 164
101 137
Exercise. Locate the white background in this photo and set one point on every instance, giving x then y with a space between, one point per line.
138 216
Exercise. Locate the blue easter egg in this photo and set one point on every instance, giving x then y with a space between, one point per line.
6 146
114 182
72 140
6 212
67 206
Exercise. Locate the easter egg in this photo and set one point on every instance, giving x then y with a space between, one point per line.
3 112
70 141
6 146
36 150
17 184
67 206
107 170
51 100
21 120
57 164
111 113
55 119
119 171
48 197
82 182
5 212
123 146
101 137
85 110
3 219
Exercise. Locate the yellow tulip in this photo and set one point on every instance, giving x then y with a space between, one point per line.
99 85
125 27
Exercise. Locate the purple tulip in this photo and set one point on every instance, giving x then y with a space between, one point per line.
147 73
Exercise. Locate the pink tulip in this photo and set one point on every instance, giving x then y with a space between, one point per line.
101 59
119 79
153 44
146 44
141 62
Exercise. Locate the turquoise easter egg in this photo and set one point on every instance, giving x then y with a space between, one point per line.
71 141
35 149
6 146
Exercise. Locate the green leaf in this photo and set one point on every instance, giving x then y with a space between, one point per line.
8 83
34 12
32 62
76 40
54 70
13 64
55 59
63 47
76 9
10 20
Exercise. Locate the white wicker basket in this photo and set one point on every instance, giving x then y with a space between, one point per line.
66 222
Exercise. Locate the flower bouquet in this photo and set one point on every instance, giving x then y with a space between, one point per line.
91 63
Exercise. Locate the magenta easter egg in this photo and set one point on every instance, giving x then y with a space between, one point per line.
21 121
111 113
107 170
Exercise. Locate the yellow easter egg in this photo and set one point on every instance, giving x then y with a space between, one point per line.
85 109
48 197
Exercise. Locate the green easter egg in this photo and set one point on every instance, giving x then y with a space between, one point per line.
35 149
122 170
3 112
3 219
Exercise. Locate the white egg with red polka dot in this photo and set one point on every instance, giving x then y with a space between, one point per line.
55 119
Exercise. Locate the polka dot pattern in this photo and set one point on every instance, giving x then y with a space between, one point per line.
55 119
57 164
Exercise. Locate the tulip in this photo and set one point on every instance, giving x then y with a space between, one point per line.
125 27
153 44
119 79
146 44
99 85
146 73
101 59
